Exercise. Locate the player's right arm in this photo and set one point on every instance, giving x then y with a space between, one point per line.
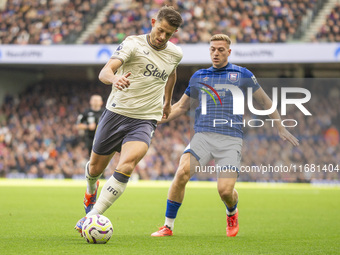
108 77
181 107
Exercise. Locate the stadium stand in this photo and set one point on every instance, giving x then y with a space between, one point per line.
330 30
38 137
45 21
62 21
244 21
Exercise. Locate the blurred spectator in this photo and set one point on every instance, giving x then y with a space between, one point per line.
245 21
330 30
45 21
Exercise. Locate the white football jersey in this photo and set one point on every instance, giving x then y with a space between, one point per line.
150 69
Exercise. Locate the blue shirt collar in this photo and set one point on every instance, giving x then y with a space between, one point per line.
220 69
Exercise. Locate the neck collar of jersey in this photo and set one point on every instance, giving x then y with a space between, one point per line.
222 68
152 46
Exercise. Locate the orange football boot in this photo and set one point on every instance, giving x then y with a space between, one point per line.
163 231
90 200
232 225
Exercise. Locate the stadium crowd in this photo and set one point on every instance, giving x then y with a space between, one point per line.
330 30
38 137
244 21
62 21
45 21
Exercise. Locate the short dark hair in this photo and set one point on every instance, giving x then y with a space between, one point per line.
170 15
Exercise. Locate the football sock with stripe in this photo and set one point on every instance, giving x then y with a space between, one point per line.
231 211
171 213
111 191
91 180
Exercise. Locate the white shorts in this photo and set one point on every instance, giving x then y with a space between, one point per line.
224 149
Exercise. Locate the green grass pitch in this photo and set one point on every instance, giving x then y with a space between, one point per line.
37 217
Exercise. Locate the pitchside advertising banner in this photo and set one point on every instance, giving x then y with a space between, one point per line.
193 54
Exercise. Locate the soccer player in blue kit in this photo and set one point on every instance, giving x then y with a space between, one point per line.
223 143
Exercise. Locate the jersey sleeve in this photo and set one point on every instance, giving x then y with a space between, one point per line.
250 80
192 90
179 56
125 50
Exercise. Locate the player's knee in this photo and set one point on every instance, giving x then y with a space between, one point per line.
226 192
182 175
126 167
95 169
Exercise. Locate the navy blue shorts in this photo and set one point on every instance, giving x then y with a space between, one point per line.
114 130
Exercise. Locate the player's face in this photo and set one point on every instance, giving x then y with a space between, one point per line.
161 32
96 102
219 53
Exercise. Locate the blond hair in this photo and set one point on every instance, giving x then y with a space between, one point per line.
221 37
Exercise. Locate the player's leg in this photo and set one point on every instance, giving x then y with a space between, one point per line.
105 144
131 153
93 171
183 174
229 195
227 156
176 192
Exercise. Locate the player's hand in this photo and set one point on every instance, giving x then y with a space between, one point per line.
122 82
163 120
286 135
166 111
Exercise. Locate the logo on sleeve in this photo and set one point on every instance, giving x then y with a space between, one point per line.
120 47
254 79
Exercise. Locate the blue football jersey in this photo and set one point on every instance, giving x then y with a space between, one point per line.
216 89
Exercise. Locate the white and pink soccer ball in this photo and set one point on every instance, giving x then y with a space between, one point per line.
97 229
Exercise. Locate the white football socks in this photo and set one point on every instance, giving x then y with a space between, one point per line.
91 180
170 222
111 191
232 212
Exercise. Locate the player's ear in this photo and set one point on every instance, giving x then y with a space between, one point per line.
153 21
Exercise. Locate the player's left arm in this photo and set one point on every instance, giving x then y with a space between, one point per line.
263 99
169 88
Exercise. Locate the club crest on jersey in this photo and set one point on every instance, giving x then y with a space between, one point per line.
233 77
206 78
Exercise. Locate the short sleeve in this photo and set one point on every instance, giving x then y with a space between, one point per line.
191 90
179 55
125 50
250 80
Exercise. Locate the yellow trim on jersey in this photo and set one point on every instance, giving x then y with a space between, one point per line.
115 57
128 175
154 47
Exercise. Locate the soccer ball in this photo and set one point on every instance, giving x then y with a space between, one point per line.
97 229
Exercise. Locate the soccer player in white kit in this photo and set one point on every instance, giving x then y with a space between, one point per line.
142 71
